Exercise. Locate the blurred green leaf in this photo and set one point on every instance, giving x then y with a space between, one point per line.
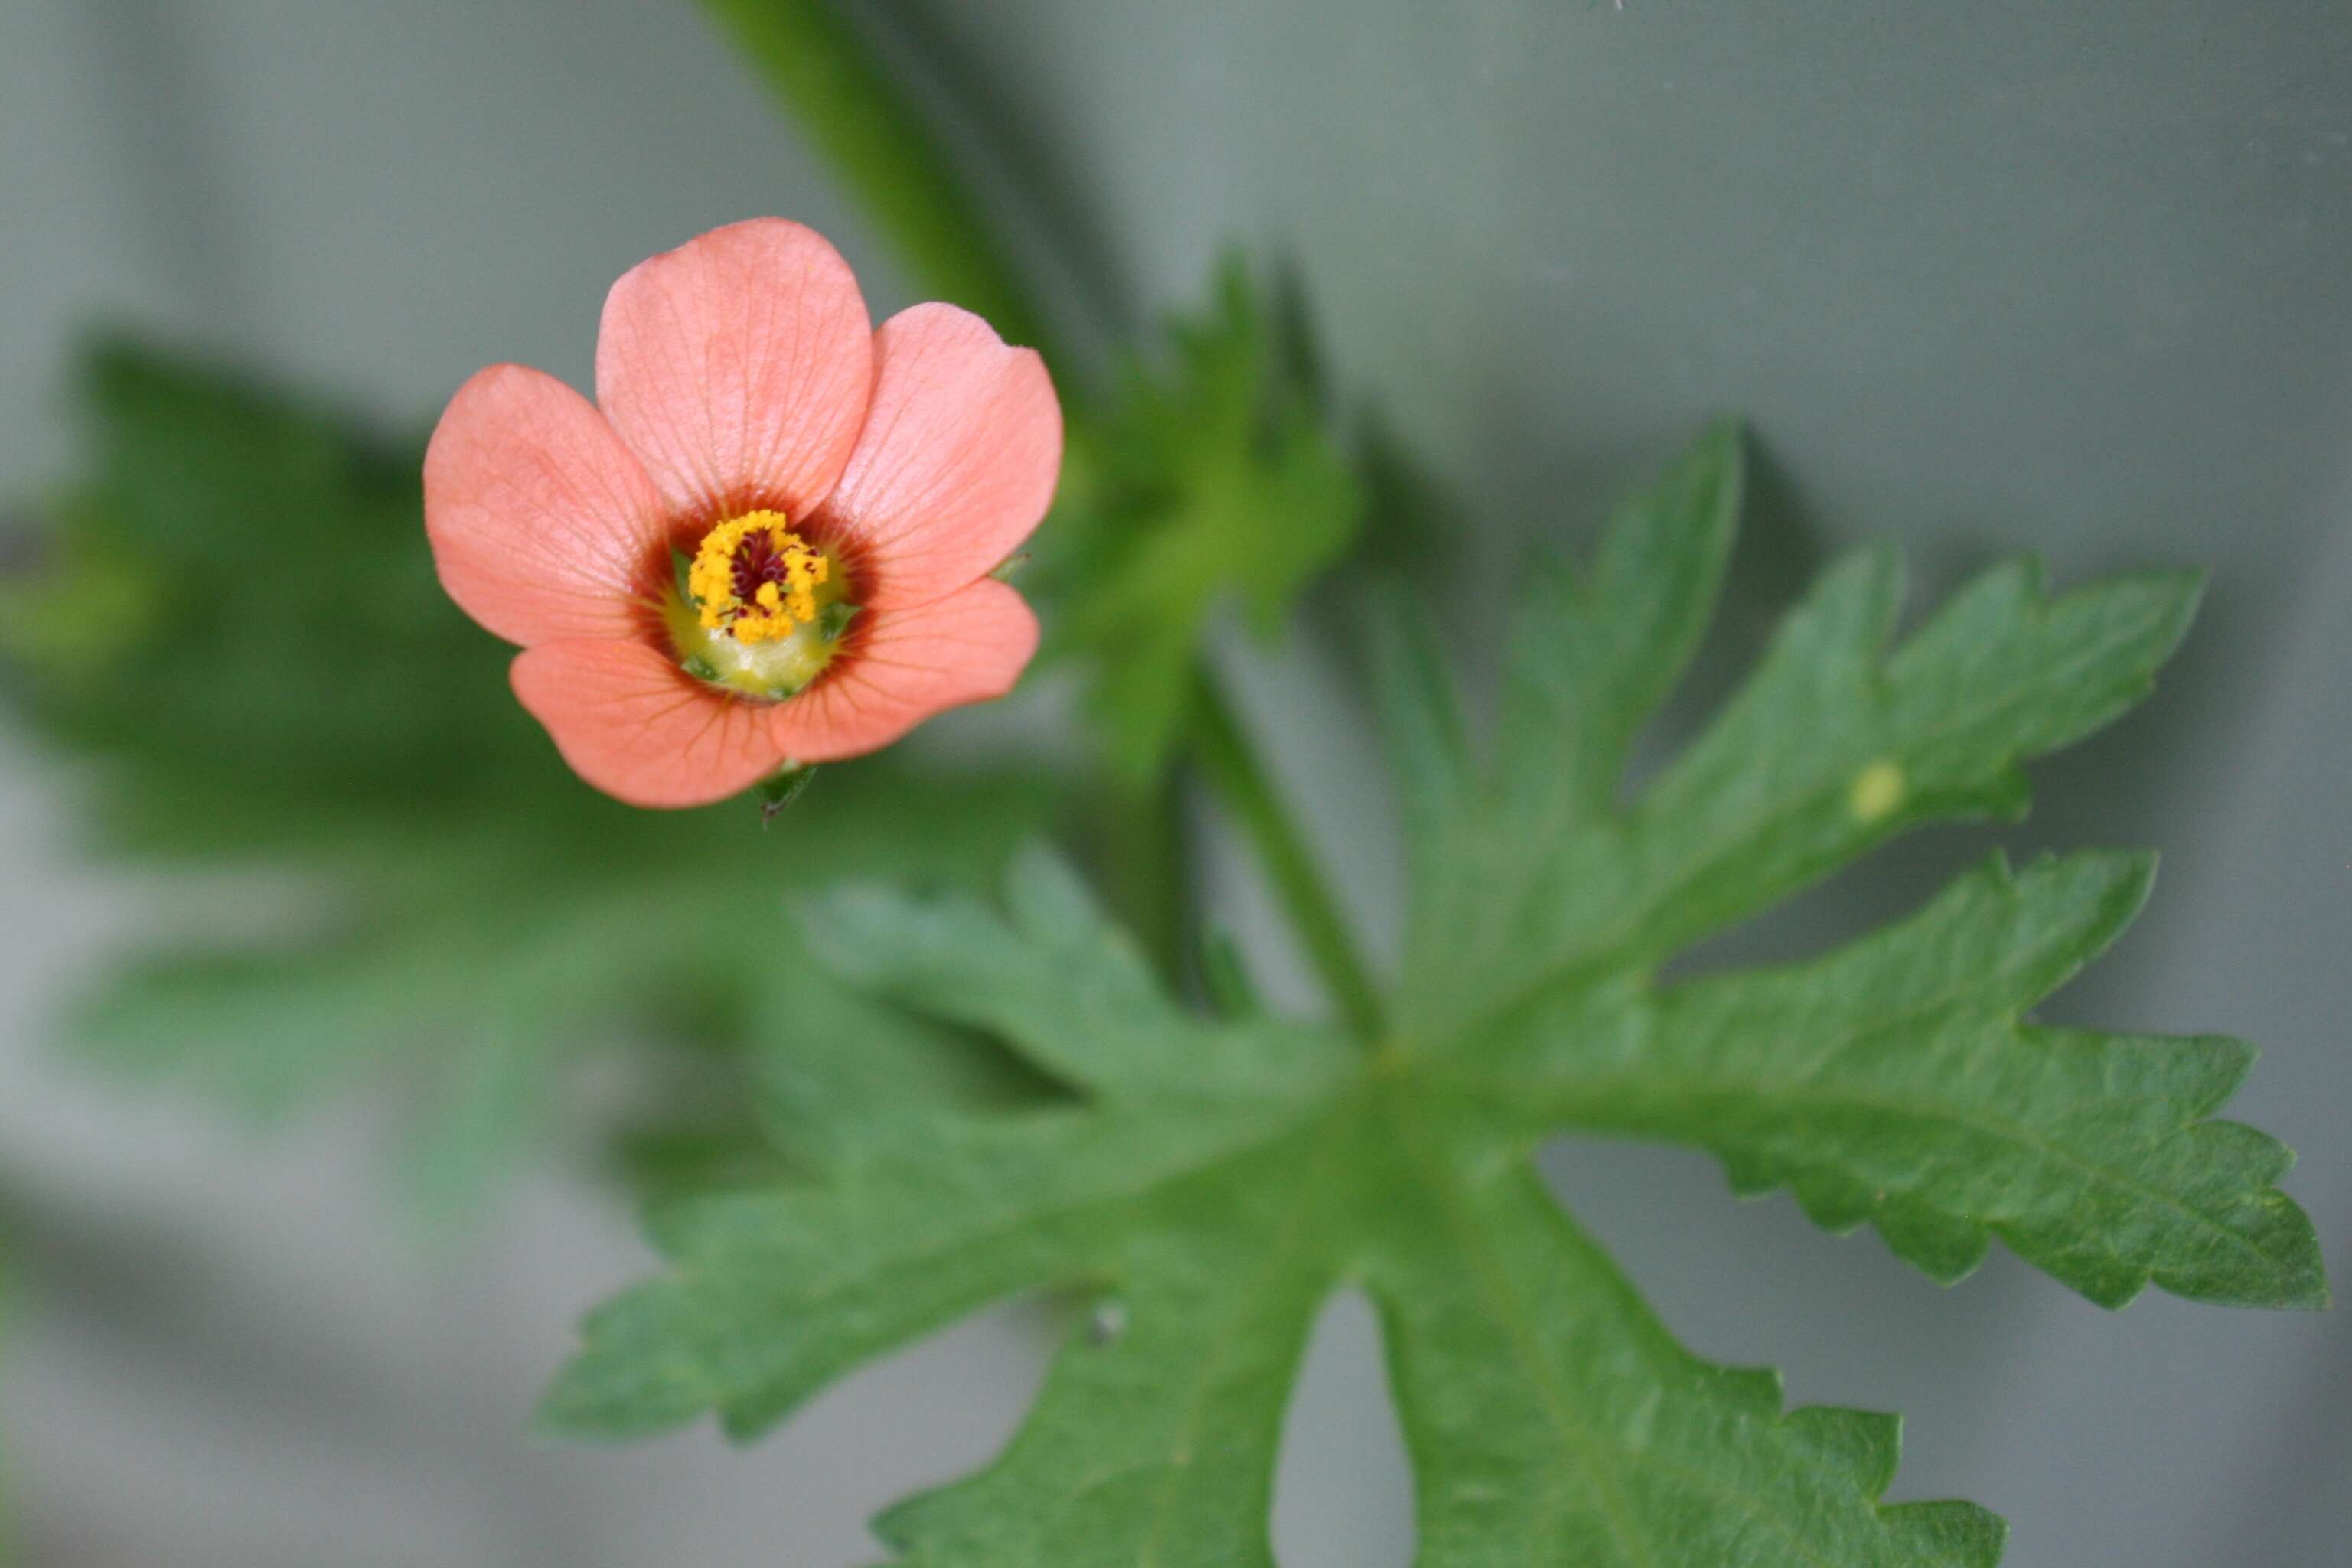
1213 477
232 611
1210 1182
232 636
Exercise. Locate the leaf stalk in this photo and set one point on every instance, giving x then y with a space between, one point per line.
1229 760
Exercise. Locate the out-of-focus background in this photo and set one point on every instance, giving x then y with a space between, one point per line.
1987 276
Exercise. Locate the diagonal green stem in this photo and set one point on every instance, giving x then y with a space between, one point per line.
1226 756
1138 836
822 71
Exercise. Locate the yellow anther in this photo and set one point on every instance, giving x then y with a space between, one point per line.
785 568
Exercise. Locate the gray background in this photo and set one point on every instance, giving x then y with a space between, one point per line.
1984 275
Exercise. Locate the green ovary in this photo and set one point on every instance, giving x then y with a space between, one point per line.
775 664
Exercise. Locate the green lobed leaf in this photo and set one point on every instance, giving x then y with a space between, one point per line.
1833 746
1206 1183
1205 1223
1552 1419
1894 1082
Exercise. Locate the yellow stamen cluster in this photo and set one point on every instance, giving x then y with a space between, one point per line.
776 609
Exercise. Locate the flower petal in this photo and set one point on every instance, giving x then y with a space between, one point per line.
956 462
737 366
641 729
907 666
544 525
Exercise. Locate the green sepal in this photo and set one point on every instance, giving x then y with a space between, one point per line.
781 790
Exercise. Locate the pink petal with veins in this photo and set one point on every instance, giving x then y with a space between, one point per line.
633 724
956 464
738 368
544 525
906 665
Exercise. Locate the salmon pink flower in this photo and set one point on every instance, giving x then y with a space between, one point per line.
769 541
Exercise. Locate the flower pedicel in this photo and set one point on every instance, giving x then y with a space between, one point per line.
769 541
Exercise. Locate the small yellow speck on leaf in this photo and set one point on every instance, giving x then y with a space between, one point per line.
1877 790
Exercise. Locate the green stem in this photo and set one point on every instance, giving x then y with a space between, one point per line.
822 71
825 74
1226 756
1140 846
